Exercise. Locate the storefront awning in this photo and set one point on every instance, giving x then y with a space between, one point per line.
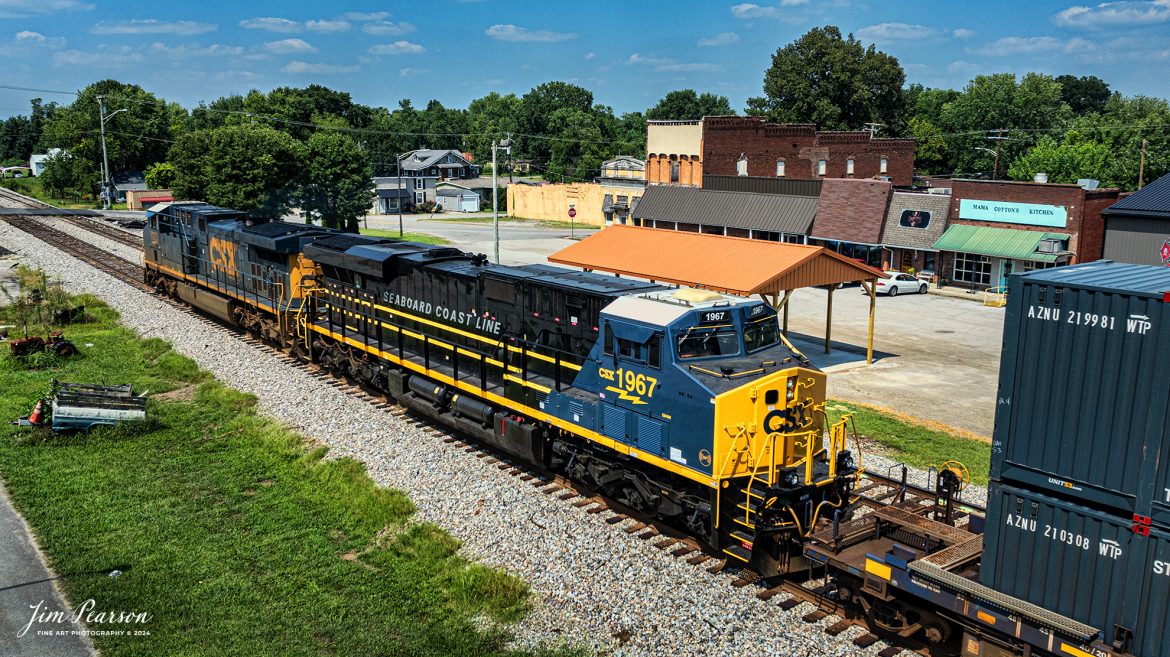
1000 242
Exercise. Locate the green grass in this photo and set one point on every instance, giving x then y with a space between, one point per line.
410 237
233 535
32 187
915 442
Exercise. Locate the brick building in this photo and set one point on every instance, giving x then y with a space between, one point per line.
999 227
674 153
748 146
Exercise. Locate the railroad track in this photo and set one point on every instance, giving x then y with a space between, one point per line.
876 489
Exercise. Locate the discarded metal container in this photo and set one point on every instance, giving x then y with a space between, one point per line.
1084 388
1103 570
80 407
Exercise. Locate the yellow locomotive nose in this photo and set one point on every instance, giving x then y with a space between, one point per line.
770 424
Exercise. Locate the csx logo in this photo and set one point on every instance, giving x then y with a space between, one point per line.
222 254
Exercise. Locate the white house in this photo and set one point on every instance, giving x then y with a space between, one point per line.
37 161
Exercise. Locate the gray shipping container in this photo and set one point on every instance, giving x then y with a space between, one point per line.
1084 386
1085 564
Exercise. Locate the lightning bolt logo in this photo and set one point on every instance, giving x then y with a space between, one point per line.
623 394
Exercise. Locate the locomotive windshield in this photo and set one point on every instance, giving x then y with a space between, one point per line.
761 333
697 342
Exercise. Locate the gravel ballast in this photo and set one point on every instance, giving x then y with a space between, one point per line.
593 584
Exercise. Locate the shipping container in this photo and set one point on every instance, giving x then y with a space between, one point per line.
1086 564
1084 388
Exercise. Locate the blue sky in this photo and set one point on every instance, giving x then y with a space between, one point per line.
628 53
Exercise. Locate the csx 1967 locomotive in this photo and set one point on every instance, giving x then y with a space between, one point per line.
684 404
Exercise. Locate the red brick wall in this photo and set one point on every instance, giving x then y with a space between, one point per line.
801 146
1085 226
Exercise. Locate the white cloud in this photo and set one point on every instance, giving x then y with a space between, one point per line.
515 33
319 69
187 51
752 10
667 64
895 32
365 16
101 56
271 24
1008 46
590 55
327 26
388 28
1124 12
153 26
288 46
27 39
792 3
408 72
23 8
721 39
961 67
397 48
963 33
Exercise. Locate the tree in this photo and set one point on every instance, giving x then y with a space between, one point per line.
490 118
686 105
536 110
1085 94
252 168
1025 108
835 83
1066 162
160 175
337 187
930 152
135 138
57 178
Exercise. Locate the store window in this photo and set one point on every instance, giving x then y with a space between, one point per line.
1031 265
972 268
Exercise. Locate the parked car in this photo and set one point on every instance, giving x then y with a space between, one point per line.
897 282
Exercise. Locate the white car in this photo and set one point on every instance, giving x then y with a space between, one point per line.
896 282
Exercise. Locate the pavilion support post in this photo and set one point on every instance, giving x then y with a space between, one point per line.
872 289
829 322
787 296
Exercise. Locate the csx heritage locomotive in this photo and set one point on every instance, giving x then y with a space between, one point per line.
684 404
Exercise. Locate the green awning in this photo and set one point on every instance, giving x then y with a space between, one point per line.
998 242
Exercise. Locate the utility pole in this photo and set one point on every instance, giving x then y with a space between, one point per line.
1142 166
505 144
106 184
1000 134
398 162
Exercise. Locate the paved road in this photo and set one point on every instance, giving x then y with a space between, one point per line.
520 243
25 585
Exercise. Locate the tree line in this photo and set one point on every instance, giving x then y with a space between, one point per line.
316 148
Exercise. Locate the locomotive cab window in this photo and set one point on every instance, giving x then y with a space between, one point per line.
646 353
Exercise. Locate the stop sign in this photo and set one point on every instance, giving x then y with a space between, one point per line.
572 212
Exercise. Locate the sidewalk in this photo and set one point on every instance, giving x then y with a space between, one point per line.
26 587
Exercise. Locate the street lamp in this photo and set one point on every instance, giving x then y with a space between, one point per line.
995 167
505 144
106 184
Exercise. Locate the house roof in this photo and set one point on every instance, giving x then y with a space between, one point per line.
999 242
764 184
456 191
638 163
761 266
392 192
852 210
1153 200
424 158
771 212
934 207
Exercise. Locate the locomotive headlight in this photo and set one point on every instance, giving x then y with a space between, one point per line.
790 480
845 461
